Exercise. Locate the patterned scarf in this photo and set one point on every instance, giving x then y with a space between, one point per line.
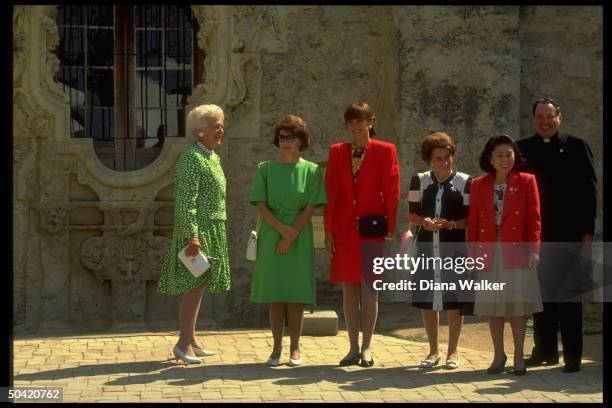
357 156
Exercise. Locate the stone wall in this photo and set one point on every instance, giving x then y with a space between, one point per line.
468 70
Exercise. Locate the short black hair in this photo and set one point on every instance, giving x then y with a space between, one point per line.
546 101
492 143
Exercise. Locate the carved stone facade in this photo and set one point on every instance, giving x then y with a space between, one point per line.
89 241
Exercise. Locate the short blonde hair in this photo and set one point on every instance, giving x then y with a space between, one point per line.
198 117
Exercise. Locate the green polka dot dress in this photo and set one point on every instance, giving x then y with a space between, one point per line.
199 212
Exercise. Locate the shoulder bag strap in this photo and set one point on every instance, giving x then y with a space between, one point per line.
258 225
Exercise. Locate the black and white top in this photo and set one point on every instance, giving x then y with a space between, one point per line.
450 200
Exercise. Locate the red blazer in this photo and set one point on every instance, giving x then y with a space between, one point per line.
520 219
377 187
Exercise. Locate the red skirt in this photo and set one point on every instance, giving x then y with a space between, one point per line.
349 260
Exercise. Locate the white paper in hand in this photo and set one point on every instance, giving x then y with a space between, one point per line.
197 265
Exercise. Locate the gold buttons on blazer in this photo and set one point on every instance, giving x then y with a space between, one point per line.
517 213
513 228
481 230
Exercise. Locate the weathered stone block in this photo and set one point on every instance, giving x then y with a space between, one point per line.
320 323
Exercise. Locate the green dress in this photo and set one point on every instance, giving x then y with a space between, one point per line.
199 212
287 189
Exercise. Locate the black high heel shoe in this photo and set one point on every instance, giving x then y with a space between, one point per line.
349 361
499 368
522 371
365 363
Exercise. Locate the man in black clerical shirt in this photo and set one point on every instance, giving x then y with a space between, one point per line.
563 166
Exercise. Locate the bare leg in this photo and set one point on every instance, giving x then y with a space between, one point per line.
431 321
194 340
517 324
496 326
187 317
455 321
369 313
351 295
295 314
277 322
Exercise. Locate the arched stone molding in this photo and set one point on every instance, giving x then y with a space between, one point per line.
47 158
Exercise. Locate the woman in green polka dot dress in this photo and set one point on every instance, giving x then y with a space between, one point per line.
199 221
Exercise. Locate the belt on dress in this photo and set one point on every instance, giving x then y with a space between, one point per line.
285 211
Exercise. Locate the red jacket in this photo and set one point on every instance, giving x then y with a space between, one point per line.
520 219
377 187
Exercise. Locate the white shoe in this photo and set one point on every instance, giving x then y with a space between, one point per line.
180 354
294 363
273 362
430 363
452 364
200 352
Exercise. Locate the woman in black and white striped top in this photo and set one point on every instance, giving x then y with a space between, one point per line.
438 203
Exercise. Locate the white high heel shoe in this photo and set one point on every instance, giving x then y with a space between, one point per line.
295 362
180 354
201 352
273 362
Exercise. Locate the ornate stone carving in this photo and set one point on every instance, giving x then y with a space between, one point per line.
35 120
56 219
46 20
128 264
223 82
33 72
42 125
130 229
19 44
258 28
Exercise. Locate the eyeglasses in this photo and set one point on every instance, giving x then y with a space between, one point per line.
287 138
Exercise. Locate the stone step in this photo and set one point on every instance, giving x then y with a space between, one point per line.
321 322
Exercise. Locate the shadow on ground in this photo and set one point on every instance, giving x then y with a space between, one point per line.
350 379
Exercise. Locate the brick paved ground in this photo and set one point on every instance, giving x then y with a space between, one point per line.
139 368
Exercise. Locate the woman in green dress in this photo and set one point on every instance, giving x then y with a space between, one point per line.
199 223
286 193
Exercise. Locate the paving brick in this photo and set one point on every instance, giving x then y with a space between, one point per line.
136 368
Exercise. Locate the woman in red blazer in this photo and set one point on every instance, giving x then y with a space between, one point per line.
362 178
505 209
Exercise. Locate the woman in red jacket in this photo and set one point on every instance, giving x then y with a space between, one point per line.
361 179
504 218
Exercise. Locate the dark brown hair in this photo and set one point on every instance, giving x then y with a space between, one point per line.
360 110
295 125
436 140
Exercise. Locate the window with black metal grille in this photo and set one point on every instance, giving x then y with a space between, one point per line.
128 71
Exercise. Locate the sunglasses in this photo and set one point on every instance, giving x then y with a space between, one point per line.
287 138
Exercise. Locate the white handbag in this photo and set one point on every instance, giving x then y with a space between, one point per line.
408 243
251 250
